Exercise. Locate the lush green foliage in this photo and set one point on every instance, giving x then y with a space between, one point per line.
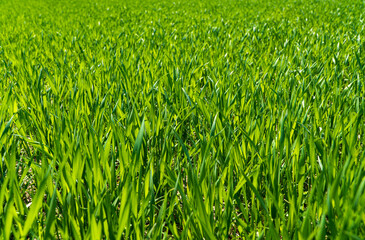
190 119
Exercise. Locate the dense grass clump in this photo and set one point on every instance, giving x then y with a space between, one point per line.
189 119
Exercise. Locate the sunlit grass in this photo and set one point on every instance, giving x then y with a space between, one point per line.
186 119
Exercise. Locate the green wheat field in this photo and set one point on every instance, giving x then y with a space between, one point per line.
205 119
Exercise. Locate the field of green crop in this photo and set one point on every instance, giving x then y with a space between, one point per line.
190 119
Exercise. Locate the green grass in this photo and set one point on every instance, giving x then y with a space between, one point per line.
182 120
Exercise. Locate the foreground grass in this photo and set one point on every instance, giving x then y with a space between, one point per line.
190 120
